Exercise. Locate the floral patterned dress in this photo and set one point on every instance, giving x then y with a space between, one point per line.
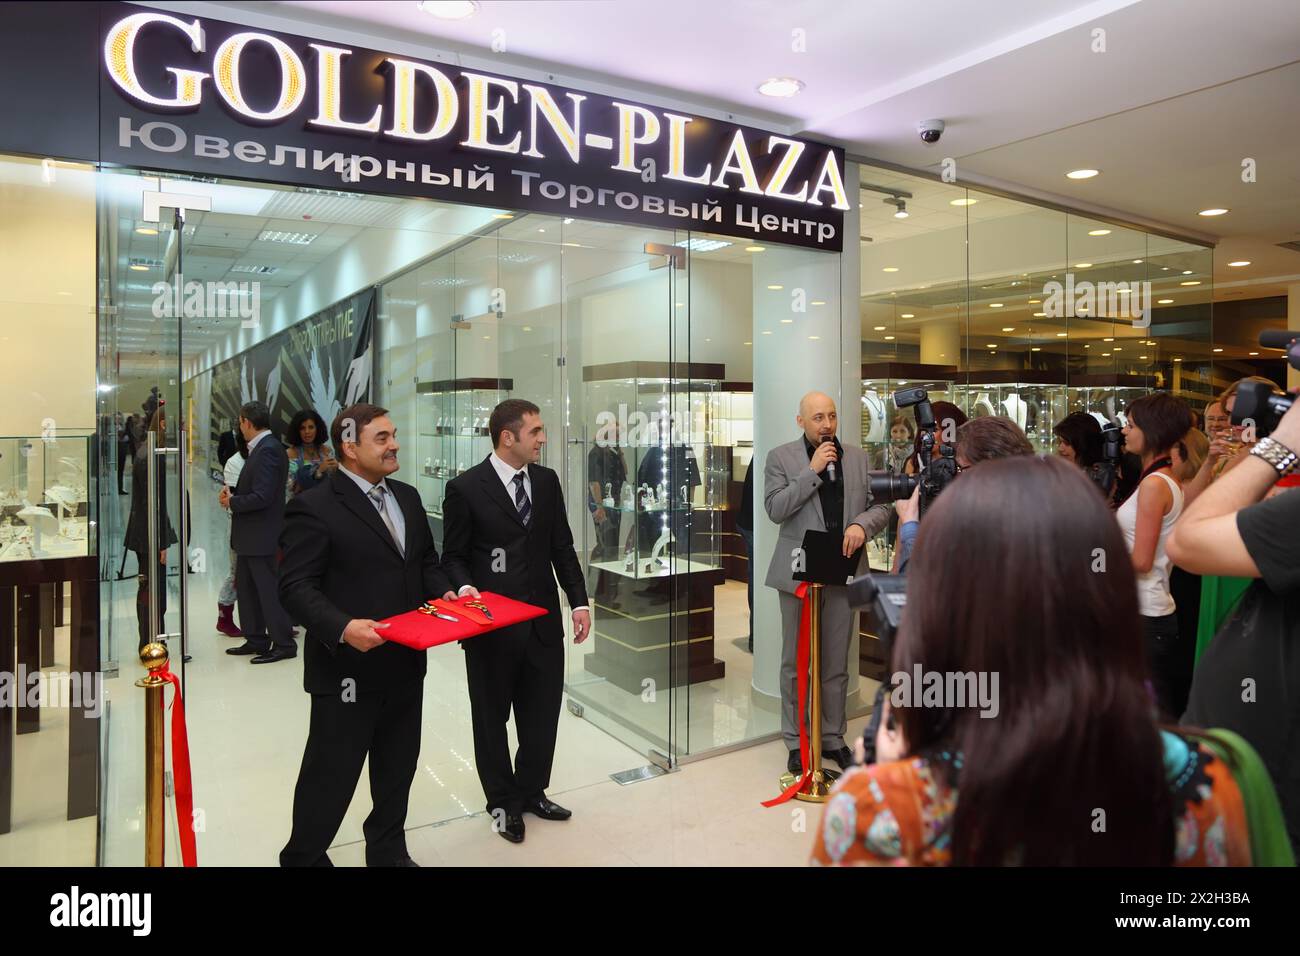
900 813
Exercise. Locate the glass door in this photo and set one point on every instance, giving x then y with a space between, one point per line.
144 309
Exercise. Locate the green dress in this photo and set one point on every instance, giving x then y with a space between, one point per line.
1219 598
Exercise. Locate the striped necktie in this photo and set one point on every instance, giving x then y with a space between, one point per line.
377 495
522 503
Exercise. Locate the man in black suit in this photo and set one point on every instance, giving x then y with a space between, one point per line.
505 530
257 516
357 549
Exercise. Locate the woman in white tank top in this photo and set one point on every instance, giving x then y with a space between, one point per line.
1155 424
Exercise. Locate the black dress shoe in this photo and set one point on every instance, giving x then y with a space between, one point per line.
512 828
273 655
843 757
547 810
794 763
404 861
245 649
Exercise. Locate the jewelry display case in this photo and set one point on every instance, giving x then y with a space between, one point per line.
44 497
1034 399
452 426
655 486
1108 394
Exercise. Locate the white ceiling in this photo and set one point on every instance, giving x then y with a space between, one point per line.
1184 90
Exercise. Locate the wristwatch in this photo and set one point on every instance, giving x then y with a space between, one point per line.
1283 459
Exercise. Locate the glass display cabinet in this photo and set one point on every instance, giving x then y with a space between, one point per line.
1034 399
44 497
1108 394
732 435
452 423
655 487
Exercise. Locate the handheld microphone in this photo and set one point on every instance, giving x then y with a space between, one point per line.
830 465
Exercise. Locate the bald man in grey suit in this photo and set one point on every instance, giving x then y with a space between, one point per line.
799 496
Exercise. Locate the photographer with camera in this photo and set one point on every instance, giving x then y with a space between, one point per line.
1227 444
980 439
1070 728
1248 678
816 484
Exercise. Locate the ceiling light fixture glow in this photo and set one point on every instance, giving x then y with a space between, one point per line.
1082 173
781 86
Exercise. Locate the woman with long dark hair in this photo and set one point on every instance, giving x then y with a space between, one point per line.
310 458
1062 763
1156 424
152 567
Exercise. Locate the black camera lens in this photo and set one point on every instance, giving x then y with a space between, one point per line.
887 486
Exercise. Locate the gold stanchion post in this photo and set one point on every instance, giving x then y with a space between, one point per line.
819 786
154 657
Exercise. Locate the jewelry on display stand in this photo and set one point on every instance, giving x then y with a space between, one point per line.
655 561
608 500
982 406
1015 408
874 407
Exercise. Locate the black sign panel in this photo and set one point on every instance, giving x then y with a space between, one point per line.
323 362
198 95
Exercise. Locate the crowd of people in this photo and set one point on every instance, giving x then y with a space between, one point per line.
1143 617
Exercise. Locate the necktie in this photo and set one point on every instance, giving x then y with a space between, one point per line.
521 500
377 496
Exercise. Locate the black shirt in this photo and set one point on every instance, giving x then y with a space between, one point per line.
830 492
1260 643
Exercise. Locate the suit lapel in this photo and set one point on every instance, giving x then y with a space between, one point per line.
497 491
361 506
801 460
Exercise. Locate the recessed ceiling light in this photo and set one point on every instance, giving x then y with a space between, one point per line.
292 238
1254 353
1239 263
1118 349
1035 349
572 245
963 202
139 268
780 86
1061 335
814 337
1108 340
1083 265
818 302
1035 301
749 343
1192 282
878 328
1142 356
1177 360
1087 346
1136 261
908 315
1099 232
1218 350
995 305
541 230
568 220
449 9
767 333
1212 212
889 338
1187 272
147 231
1008 328
776 288
1105 355
755 248
1163 301
890 269
528 328
1083 173
1040 315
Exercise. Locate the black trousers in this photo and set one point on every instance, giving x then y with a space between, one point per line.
1169 658
513 670
261 616
382 725
158 578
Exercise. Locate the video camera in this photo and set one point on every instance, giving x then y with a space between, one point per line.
883 596
1258 403
934 474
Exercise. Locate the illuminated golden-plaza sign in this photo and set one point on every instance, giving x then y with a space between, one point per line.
384 122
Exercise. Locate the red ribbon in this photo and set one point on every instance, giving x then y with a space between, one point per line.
181 772
801 665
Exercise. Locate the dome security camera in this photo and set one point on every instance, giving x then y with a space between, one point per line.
930 131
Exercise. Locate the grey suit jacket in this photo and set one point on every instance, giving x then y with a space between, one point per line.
791 499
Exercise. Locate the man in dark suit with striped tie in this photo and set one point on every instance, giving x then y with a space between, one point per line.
506 531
